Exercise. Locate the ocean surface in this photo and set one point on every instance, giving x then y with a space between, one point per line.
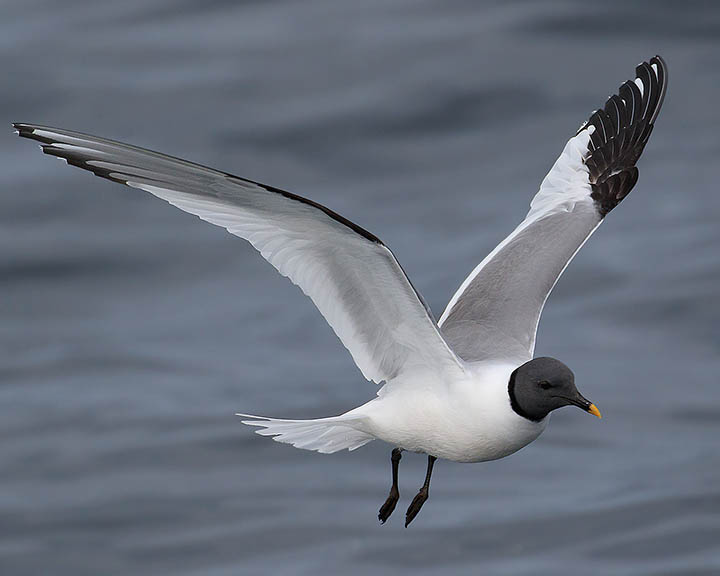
130 333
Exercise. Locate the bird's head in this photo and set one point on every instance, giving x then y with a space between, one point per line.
542 385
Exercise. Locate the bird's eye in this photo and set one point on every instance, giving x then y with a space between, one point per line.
545 385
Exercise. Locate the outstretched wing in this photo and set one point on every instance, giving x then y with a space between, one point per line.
350 275
496 311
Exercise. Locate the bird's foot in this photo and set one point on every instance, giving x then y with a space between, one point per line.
415 505
387 508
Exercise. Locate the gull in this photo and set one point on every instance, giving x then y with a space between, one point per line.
465 387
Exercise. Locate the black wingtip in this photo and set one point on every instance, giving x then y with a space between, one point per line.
21 129
621 131
28 131
662 72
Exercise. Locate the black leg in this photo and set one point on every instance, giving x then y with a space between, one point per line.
392 499
422 495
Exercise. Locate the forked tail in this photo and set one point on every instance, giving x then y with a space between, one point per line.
325 435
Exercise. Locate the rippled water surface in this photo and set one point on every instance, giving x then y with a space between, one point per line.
130 333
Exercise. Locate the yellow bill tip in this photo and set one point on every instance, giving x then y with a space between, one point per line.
594 411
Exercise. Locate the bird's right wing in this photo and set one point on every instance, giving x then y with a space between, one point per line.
495 312
351 276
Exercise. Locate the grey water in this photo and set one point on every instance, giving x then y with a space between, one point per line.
130 333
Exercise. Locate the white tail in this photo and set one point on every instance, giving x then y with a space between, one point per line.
325 435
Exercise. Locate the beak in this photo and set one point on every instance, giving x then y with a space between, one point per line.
594 411
581 402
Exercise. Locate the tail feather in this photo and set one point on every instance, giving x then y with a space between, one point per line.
324 435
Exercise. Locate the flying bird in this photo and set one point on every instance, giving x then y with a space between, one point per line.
465 387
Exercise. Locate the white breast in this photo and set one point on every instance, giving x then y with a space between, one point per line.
465 421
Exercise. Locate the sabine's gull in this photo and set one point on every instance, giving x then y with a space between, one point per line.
465 387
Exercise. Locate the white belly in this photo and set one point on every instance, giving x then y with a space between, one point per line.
468 421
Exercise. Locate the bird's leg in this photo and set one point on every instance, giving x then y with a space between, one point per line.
422 495
387 508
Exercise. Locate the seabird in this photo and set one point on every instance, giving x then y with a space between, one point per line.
463 388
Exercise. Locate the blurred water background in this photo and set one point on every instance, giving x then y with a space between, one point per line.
130 332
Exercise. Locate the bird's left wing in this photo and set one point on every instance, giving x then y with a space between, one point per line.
350 275
495 313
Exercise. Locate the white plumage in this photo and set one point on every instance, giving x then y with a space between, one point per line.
445 385
361 290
